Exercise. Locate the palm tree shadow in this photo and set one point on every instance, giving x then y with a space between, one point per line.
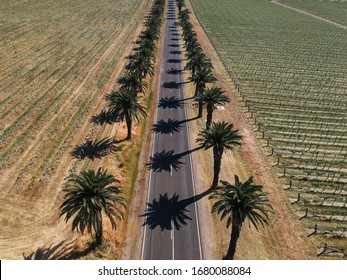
172 85
169 213
175 52
170 126
61 251
94 149
103 117
174 60
165 161
167 127
174 71
170 103
168 161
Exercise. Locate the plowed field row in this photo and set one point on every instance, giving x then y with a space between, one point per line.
58 60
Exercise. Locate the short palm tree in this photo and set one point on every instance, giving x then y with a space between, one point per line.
221 136
238 202
212 97
87 196
125 105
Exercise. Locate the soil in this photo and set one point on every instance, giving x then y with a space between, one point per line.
29 216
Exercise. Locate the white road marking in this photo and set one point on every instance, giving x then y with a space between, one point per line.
191 167
152 152
171 169
173 240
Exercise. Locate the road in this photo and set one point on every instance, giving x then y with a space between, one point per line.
171 229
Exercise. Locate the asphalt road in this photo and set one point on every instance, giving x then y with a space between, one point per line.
171 229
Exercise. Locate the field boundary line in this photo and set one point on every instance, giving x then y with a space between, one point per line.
310 15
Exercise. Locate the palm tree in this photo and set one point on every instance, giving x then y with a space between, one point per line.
238 202
87 196
200 79
125 105
141 64
212 97
199 62
221 136
133 81
183 15
180 5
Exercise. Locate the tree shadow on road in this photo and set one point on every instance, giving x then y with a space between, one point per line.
170 103
174 60
167 127
169 213
168 161
94 149
174 71
170 126
172 85
165 161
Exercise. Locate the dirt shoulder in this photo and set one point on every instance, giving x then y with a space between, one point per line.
133 238
285 237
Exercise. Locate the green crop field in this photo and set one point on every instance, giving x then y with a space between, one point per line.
335 10
291 71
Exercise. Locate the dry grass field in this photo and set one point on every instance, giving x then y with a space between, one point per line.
58 60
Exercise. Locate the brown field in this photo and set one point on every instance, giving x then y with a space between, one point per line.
58 60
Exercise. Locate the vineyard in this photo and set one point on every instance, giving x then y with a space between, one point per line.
290 72
58 61
329 9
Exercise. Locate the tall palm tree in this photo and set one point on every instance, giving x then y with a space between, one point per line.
87 196
238 202
132 81
141 65
125 105
221 137
199 62
200 79
212 97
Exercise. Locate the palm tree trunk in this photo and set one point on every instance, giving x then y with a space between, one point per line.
99 238
196 90
235 233
201 104
217 156
129 123
209 116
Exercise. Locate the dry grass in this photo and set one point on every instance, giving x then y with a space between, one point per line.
58 61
